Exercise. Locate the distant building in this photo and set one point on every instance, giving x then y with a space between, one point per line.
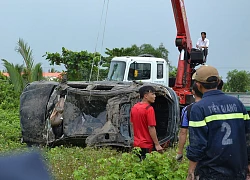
52 76
47 75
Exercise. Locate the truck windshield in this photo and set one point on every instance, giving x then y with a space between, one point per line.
116 71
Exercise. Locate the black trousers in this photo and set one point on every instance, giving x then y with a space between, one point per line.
205 52
219 178
207 174
144 151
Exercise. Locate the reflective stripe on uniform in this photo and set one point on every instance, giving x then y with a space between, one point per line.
224 117
197 123
246 117
218 117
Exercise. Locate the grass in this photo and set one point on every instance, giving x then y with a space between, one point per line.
65 162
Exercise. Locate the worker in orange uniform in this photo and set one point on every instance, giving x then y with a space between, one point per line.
143 122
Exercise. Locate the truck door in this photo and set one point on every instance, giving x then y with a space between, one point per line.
160 75
140 72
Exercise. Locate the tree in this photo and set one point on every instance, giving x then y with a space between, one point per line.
53 70
79 65
15 77
9 98
238 81
225 87
28 72
2 77
172 71
134 50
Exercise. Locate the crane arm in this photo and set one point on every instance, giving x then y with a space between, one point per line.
184 44
183 39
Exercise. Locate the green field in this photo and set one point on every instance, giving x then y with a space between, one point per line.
89 163
84 163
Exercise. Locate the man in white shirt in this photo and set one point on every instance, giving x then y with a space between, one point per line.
203 44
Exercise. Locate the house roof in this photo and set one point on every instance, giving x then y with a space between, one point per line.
45 74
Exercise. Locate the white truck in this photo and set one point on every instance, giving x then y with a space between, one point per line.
140 68
149 69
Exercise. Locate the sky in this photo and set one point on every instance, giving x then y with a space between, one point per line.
49 25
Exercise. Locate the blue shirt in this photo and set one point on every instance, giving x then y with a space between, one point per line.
219 131
184 119
184 116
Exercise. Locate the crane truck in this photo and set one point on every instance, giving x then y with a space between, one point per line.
146 68
98 113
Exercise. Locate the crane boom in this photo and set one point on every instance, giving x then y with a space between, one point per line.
184 43
181 24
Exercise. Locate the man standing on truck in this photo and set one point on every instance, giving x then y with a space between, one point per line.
143 121
219 132
185 117
203 44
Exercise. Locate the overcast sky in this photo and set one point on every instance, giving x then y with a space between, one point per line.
49 25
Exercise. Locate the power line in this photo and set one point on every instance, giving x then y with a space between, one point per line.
97 40
98 70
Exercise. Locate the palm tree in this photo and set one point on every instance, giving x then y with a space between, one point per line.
19 68
15 77
53 70
20 75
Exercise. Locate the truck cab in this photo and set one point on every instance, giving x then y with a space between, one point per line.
137 68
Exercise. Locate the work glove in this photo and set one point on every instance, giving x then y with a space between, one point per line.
179 157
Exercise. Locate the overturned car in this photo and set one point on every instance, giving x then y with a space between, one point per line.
91 113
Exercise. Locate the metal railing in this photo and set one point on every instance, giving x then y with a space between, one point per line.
243 97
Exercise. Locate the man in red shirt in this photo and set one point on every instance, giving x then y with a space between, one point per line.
142 117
